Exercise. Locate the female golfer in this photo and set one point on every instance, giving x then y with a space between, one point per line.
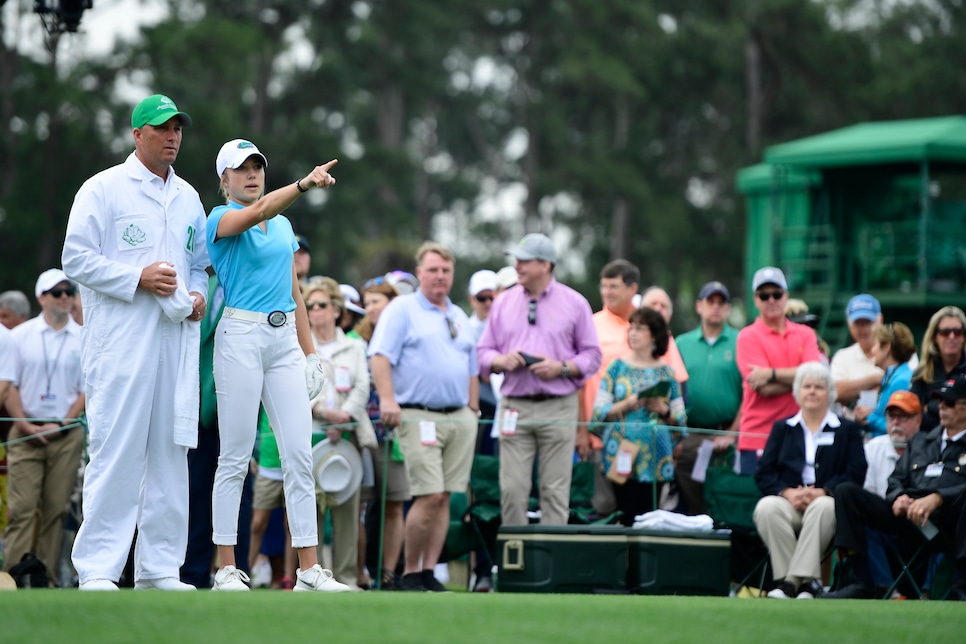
262 349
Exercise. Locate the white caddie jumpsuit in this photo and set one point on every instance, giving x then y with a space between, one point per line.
122 220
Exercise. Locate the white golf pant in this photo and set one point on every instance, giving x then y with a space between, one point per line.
137 476
257 361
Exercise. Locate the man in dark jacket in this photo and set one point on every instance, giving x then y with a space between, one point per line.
927 488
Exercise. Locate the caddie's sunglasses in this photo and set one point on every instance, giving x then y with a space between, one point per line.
532 314
59 292
764 296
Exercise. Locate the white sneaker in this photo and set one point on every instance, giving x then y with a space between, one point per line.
261 574
99 584
318 579
231 578
162 583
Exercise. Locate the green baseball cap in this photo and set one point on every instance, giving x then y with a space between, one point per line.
155 110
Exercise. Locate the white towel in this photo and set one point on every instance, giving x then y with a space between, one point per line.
664 520
186 391
179 304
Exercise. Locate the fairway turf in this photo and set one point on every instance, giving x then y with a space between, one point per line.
272 616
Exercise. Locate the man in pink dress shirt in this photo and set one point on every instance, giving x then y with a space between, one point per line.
541 336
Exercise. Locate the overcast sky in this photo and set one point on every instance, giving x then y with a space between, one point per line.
100 27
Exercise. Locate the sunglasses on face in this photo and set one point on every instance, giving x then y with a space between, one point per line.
532 314
317 305
483 299
954 332
764 296
59 292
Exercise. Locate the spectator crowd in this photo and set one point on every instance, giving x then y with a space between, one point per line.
182 393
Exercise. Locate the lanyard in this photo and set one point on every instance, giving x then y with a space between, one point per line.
49 370
887 377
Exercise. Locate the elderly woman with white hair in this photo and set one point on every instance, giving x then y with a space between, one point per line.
805 458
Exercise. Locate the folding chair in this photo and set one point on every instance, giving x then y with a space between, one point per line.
730 500
474 524
927 554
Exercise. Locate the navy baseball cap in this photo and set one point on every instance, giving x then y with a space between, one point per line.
711 288
303 242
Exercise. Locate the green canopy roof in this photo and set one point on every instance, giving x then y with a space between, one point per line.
910 141
765 177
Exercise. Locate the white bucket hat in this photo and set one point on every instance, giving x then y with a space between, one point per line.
338 469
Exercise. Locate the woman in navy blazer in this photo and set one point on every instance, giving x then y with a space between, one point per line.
805 457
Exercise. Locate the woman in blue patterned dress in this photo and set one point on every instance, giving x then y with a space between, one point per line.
639 399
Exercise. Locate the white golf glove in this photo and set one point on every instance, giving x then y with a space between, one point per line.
314 378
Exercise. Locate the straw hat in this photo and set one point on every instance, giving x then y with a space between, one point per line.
337 469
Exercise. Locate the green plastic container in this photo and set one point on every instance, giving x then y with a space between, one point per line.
562 559
678 563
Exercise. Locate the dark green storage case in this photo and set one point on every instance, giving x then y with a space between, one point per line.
678 563
562 559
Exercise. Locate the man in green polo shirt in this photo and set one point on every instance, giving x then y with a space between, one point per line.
714 387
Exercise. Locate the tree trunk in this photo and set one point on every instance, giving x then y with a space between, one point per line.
618 226
754 95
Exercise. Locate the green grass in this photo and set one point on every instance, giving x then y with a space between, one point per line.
271 616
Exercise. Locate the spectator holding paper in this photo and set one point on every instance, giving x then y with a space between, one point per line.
639 397
714 387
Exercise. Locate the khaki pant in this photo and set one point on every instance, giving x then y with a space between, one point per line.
345 538
41 479
796 540
445 465
547 428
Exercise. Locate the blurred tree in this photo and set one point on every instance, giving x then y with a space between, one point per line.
616 127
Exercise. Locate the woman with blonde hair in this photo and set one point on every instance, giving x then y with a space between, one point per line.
942 358
263 351
892 347
391 472
339 413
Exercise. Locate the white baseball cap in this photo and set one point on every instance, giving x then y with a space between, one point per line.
236 152
49 279
507 277
484 280
352 300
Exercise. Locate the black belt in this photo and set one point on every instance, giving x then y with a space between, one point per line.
538 397
435 410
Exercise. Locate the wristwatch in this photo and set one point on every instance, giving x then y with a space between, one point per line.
564 369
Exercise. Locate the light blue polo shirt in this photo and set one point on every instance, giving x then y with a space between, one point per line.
429 367
255 267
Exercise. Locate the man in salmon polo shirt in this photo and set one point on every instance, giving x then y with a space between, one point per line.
619 281
618 286
769 352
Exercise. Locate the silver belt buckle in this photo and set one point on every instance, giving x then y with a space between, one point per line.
277 318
